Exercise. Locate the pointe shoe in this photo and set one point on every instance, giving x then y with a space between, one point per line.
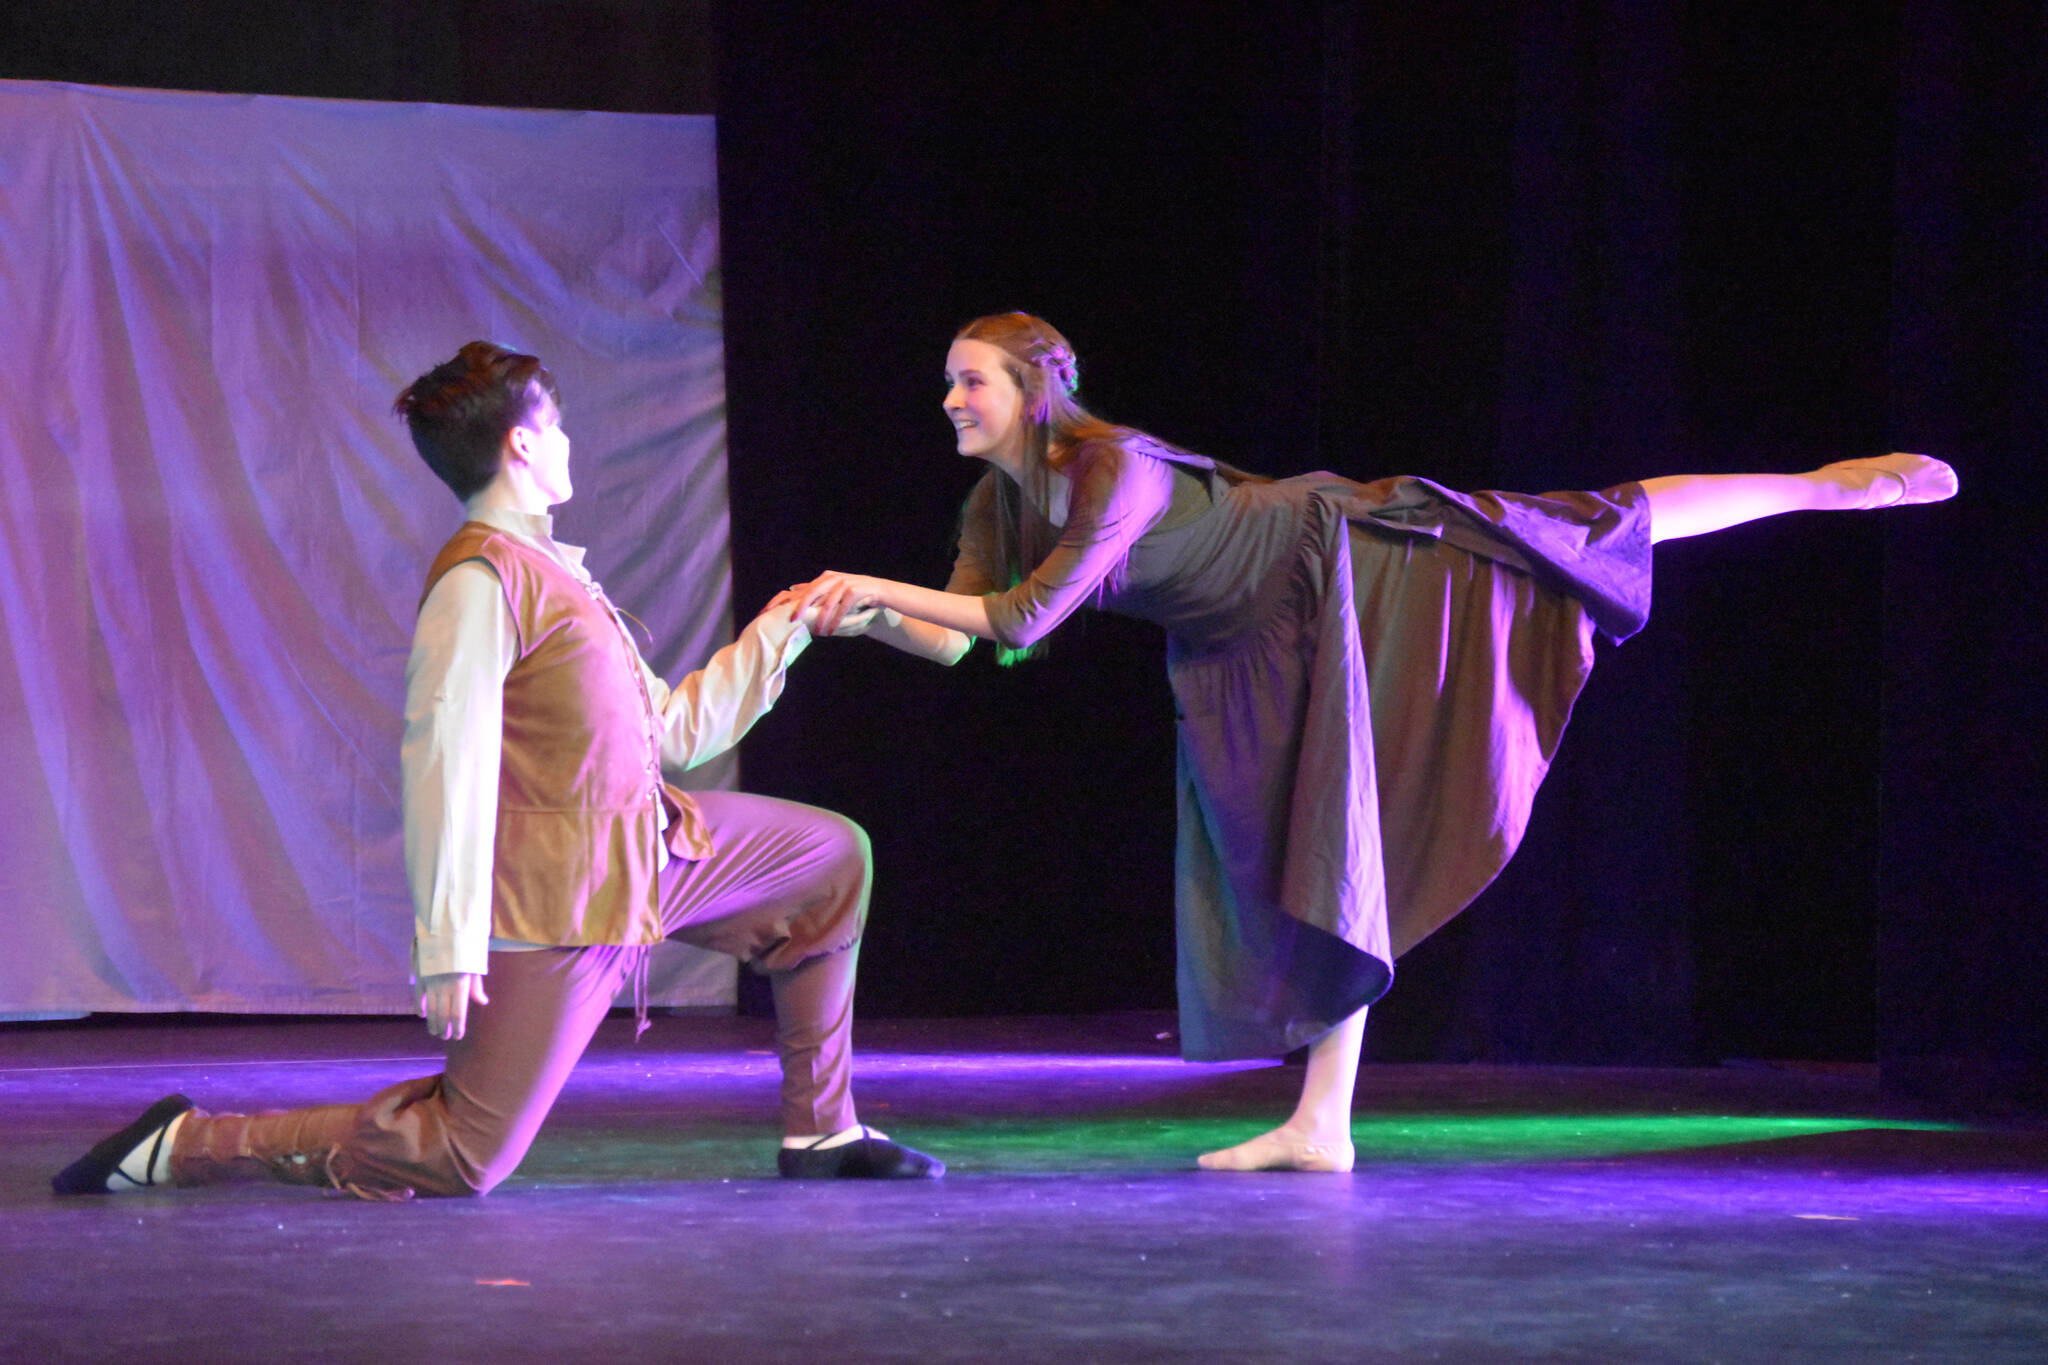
1907 478
1280 1151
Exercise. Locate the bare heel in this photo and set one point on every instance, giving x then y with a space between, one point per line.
1281 1150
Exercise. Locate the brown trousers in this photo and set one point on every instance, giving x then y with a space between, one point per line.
785 890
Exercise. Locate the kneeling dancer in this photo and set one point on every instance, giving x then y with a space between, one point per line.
546 854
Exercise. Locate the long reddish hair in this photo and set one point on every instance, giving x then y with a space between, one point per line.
1045 370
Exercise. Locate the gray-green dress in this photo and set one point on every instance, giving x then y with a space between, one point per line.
1371 680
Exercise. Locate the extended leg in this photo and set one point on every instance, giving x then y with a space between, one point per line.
1317 1137
175 1143
296 1146
138 1157
457 1133
1694 504
466 1130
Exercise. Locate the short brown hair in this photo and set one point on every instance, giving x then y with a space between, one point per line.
460 412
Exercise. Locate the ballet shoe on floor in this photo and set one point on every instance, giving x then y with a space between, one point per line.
1280 1150
1903 479
870 1156
99 1170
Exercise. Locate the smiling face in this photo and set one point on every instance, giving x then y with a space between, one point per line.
984 404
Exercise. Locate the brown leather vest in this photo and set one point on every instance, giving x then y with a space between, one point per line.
579 784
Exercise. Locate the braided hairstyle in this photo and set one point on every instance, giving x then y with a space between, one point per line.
1045 370
1041 362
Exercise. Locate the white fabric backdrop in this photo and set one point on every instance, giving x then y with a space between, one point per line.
214 531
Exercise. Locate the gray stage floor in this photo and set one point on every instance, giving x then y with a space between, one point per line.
1754 1214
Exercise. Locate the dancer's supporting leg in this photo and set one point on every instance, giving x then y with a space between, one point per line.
1694 504
1317 1137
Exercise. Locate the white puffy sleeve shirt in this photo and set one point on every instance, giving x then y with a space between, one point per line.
464 644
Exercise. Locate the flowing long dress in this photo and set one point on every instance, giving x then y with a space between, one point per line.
1370 680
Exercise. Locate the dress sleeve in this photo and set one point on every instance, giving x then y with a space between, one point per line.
977 569
1117 495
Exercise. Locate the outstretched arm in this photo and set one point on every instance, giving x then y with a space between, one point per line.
708 711
1116 495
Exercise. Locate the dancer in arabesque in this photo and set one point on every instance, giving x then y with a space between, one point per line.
1371 678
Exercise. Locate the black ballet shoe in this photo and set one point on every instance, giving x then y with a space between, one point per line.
91 1173
868 1157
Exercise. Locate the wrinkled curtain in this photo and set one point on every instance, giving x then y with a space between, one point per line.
214 531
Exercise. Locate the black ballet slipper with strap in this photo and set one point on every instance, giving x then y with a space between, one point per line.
868 1157
99 1170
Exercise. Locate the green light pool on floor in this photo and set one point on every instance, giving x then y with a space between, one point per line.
1127 1142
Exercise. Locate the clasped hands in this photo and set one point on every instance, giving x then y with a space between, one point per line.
833 603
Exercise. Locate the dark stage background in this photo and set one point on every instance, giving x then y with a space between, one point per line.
1525 246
